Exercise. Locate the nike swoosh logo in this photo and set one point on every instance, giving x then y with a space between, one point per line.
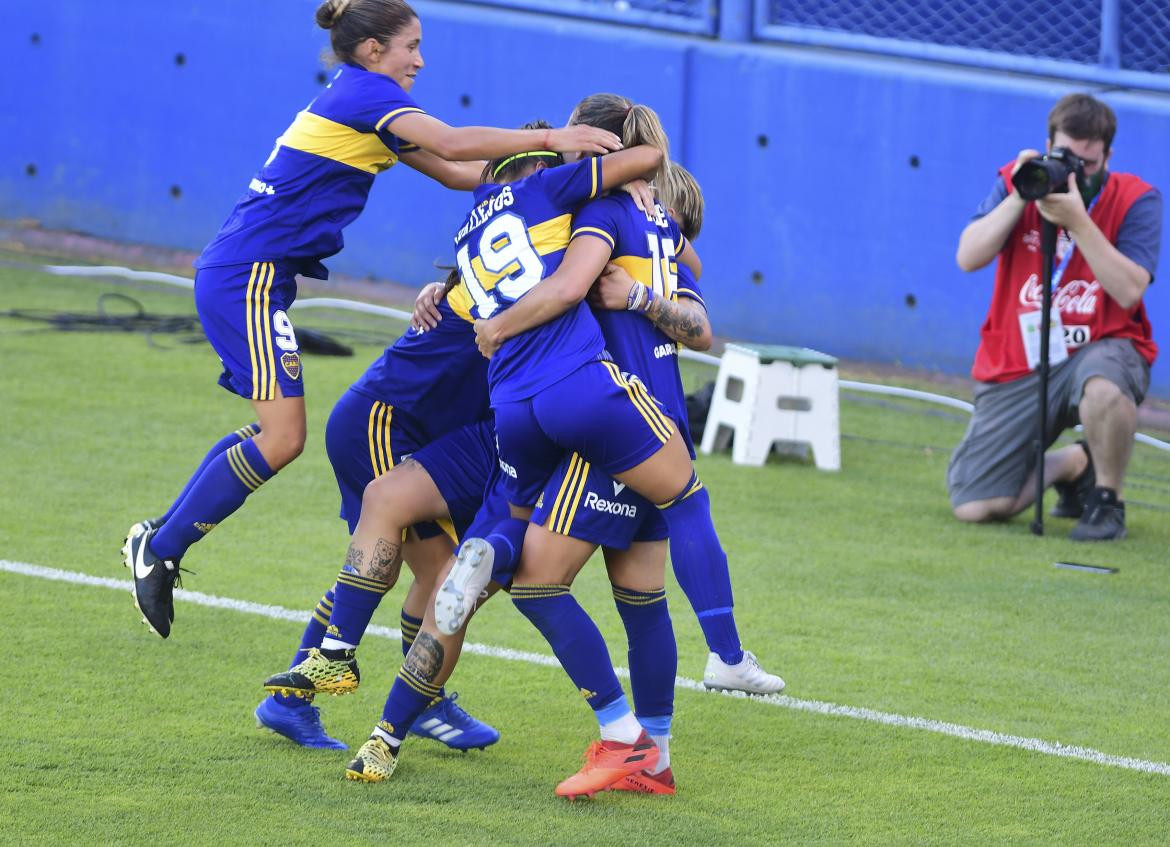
141 571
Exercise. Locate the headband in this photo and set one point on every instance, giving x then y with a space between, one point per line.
512 159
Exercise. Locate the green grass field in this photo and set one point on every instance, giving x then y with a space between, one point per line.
858 587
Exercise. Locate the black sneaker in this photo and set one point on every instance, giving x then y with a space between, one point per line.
1074 494
1102 521
154 583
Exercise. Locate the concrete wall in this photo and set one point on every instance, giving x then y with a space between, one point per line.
836 184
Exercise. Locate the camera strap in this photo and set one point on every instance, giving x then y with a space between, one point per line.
1062 265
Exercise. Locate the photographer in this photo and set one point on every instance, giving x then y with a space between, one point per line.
1109 233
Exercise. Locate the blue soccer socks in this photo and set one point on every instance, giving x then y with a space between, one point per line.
219 490
653 653
700 565
229 440
575 640
355 597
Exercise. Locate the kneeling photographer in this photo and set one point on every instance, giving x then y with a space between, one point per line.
1109 228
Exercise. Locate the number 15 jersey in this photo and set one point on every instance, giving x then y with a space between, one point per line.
512 238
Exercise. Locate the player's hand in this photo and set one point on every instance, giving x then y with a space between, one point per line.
612 289
1024 156
643 195
583 139
426 313
486 338
1065 210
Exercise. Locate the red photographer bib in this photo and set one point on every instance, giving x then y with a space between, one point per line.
1086 311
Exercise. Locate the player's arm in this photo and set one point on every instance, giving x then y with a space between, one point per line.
690 257
983 238
471 143
684 320
583 262
460 176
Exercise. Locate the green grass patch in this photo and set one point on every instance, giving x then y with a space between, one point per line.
858 587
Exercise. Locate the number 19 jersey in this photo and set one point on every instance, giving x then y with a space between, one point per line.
514 237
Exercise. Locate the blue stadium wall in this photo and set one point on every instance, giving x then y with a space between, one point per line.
836 184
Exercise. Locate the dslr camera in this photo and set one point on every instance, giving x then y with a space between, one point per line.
1046 175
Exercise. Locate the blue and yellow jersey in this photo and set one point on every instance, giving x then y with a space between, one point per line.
318 177
437 378
645 247
514 237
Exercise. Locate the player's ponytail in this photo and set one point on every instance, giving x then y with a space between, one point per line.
350 22
633 122
681 194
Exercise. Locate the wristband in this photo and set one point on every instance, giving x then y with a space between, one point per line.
639 298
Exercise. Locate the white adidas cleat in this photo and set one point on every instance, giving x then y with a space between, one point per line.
747 676
465 584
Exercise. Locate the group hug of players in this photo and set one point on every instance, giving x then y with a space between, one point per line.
533 412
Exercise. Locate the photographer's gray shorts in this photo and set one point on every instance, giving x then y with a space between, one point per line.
998 451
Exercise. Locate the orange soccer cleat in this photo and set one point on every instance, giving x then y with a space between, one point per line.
608 762
644 782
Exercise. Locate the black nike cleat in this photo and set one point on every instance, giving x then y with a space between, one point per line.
154 583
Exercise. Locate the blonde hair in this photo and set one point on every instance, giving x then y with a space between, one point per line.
634 123
684 198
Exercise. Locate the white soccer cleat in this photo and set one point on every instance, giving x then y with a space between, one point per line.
747 676
461 590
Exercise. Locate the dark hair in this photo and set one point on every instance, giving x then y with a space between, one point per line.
632 122
350 22
513 166
1083 117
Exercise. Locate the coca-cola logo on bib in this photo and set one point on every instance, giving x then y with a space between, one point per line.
1075 297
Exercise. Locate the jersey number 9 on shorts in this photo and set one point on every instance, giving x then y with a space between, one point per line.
508 265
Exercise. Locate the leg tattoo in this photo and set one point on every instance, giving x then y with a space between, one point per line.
425 658
385 563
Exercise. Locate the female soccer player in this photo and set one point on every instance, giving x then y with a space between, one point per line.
314 183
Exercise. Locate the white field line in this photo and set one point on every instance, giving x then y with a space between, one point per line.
985 736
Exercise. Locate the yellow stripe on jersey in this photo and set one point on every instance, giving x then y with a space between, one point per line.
397 113
567 485
547 237
598 233
659 425
642 269
320 136
593 171
241 468
693 295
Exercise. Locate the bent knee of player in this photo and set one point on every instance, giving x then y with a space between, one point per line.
1101 393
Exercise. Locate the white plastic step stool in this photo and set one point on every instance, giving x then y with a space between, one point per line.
769 394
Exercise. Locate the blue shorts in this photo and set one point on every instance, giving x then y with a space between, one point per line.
582 502
364 438
608 417
244 312
463 466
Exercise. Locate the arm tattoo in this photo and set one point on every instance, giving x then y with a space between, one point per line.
425 658
385 563
682 323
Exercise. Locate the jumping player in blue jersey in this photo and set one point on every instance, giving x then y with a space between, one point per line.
314 183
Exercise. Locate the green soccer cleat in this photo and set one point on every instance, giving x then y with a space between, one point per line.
321 672
375 762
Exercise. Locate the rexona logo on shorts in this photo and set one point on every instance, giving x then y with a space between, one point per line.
610 507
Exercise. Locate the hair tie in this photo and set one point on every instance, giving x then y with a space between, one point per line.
512 159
